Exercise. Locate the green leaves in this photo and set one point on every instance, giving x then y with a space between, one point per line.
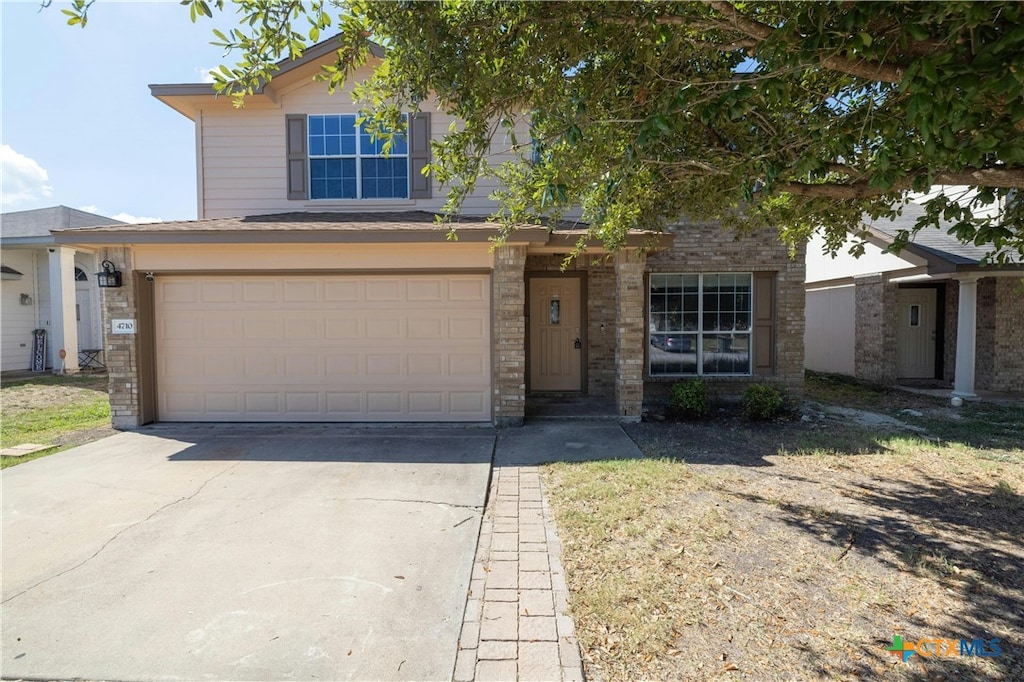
790 116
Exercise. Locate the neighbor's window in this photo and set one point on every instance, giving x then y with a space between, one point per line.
700 324
344 163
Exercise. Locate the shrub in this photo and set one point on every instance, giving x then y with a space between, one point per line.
761 401
690 399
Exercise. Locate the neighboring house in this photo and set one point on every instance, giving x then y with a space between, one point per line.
317 286
48 286
933 312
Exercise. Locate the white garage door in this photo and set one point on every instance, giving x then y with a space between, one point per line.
324 348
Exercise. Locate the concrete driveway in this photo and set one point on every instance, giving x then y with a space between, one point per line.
255 553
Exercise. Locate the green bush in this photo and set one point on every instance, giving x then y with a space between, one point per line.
690 399
761 401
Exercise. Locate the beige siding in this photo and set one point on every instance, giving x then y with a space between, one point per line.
822 267
830 334
243 159
18 320
324 257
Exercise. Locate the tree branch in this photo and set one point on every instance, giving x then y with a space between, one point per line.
875 71
1005 177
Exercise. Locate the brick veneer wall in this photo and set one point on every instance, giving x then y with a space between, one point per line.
1008 336
709 249
630 336
949 340
600 307
119 350
509 304
985 340
875 345
999 361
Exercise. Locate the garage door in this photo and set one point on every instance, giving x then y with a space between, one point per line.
325 348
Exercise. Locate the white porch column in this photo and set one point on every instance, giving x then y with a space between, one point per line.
63 321
966 332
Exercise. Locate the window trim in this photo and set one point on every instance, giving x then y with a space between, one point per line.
297 163
358 157
699 333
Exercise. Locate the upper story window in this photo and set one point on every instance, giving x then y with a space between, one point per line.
700 324
345 163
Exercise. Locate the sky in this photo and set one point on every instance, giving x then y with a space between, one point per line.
78 126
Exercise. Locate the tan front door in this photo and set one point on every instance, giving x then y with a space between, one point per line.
556 346
915 334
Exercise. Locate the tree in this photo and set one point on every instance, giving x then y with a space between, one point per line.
800 115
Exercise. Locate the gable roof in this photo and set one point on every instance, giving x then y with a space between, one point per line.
25 227
186 97
942 250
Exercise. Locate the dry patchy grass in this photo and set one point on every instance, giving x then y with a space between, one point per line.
61 411
796 550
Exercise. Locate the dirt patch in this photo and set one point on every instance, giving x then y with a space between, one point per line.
26 395
798 549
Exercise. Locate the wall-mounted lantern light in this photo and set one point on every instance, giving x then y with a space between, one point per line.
109 277
26 299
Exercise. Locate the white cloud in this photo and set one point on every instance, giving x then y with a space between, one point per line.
90 208
205 74
22 180
129 218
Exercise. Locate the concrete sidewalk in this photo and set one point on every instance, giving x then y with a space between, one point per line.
517 624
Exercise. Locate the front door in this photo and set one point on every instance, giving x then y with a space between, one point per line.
915 335
83 313
556 346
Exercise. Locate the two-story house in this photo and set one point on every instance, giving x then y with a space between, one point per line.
316 286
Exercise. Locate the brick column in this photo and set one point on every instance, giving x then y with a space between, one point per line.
509 296
875 345
629 333
120 350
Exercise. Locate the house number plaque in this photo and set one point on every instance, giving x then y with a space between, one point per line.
122 326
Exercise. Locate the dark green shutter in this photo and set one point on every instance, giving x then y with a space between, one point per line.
298 162
764 323
419 155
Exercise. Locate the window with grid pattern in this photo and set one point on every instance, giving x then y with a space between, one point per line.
700 324
346 163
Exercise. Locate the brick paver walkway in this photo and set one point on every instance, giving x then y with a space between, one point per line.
516 624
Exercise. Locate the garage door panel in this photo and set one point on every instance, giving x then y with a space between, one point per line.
218 291
467 402
384 403
427 402
426 290
342 328
344 404
335 348
343 366
263 403
467 328
467 289
385 290
302 291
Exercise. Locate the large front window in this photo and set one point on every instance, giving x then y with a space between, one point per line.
700 324
345 163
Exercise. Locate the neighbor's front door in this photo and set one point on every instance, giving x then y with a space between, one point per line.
915 334
556 346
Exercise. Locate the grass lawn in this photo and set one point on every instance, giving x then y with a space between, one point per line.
62 411
797 550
